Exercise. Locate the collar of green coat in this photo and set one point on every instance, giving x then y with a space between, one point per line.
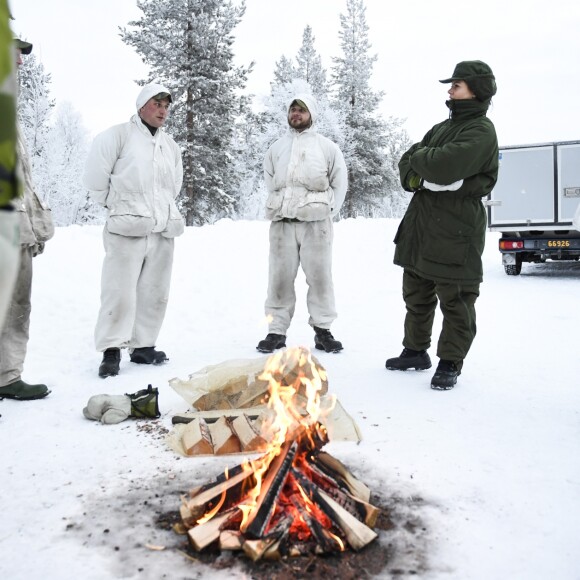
461 109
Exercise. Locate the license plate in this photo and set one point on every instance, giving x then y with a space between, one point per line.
558 243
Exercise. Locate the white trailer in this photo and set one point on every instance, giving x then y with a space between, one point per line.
533 203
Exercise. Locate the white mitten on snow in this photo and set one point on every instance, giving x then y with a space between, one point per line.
108 409
436 187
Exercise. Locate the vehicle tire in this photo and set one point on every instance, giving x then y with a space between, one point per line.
513 269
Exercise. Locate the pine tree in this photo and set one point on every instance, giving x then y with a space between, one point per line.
188 46
284 71
310 65
259 131
66 157
371 176
34 112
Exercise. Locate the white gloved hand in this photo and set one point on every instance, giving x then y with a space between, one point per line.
436 187
108 409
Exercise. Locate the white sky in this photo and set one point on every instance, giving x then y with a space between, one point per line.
532 46
489 469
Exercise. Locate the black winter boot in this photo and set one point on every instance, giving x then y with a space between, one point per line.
323 340
272 342
445 376
147 355
409 359
111 361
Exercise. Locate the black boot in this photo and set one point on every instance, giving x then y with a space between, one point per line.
445 376
111 361
409 359
272 342
148 356
323 340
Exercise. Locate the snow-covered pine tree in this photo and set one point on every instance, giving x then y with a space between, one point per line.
188 45
284 71
371 177
66 156
34 111
259 131
310 65
249 148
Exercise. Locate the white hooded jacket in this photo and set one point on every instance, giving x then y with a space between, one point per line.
137 176
305 173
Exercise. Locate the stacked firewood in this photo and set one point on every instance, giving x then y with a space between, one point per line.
296 502
223 435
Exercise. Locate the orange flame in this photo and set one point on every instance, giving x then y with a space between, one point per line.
288 412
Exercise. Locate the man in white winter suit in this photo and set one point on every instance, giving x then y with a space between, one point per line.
306 177
135 171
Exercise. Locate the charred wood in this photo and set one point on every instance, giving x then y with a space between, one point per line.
270 490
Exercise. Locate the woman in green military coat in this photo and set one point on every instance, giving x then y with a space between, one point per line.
440 240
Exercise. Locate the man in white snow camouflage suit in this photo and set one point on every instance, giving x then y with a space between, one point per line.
306 177
135 171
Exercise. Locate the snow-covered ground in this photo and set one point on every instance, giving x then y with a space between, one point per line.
489 469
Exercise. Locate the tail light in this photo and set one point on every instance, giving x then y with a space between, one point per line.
511 245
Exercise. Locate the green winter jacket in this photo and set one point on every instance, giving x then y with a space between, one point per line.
442 235
9 186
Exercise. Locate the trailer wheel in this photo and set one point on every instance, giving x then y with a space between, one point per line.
513 269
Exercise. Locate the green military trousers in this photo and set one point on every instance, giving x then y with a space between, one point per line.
457 303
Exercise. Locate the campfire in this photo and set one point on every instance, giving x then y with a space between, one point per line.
295 499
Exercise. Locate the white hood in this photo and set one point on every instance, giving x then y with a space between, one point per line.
309 101
149 91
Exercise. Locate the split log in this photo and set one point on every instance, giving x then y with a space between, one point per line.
212 416
196 438
324 541
212 400
270 490
224 476
362 510
231 540
216 489
255 394
223 438
250 438
204 534
257 549
357 534
188 518
340 473
292 376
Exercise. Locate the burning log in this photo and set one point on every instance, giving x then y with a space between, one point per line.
205 533
231 540
360 509
335 468
271 487
357 533
198 504
257 548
